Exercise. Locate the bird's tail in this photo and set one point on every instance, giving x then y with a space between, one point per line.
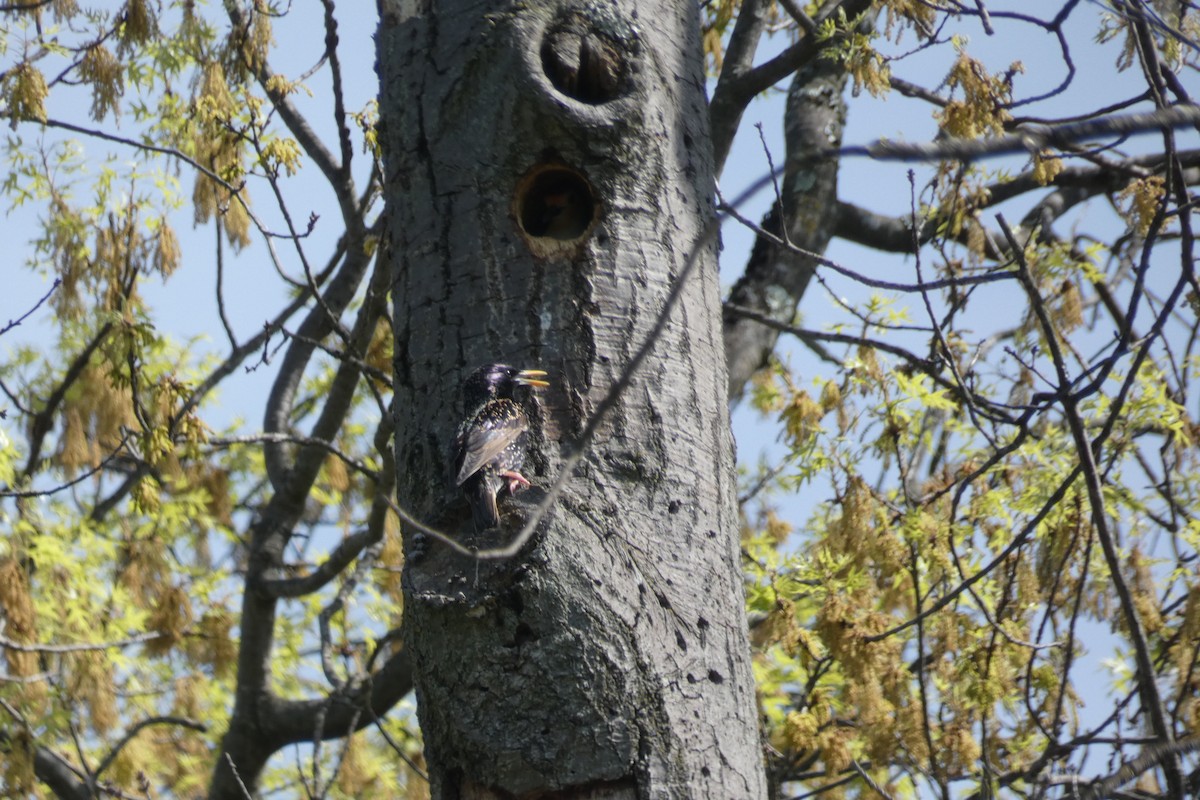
481 494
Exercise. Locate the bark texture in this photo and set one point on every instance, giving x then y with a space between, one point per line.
547 176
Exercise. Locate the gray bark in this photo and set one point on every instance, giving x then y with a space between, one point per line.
776 278
57 773
609 658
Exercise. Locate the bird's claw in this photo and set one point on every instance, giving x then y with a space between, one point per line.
515 480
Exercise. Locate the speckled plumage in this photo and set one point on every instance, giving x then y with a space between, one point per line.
489 447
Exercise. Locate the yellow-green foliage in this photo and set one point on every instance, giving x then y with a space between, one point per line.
844 672
980 109
113 614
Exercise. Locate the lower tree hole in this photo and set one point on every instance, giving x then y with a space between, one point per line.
555 202
523 635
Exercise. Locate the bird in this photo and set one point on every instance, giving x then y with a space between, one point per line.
489 446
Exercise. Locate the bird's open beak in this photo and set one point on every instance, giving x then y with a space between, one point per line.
532 377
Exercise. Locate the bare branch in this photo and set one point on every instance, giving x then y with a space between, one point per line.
81 647
1146 760
335 71
14 323
83 476
250 734
238 778
182 722
894 233
724 111
346 551
1029 139
316 326
306 441
907 288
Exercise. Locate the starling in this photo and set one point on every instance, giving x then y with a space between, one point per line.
489 448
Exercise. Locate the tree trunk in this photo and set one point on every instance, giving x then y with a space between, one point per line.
547 178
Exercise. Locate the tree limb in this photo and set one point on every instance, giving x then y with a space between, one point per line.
1029 138
775 277
737 87
316 326
724 113
894 234
249 741
58 774
44 419
295 720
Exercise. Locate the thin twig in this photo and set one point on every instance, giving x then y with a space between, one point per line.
288 438
783 224
238 778
183 722
142 638
1087 451
906 288
862 773
12 323
26 493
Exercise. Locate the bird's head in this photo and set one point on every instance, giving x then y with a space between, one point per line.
492 381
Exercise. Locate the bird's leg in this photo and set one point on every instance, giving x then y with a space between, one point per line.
515 480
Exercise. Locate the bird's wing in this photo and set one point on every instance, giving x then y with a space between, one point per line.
486 437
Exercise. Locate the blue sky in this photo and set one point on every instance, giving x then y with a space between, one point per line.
253 290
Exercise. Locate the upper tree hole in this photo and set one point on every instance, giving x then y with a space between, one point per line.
555 202
582 62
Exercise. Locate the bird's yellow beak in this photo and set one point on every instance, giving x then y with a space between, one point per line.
532 377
